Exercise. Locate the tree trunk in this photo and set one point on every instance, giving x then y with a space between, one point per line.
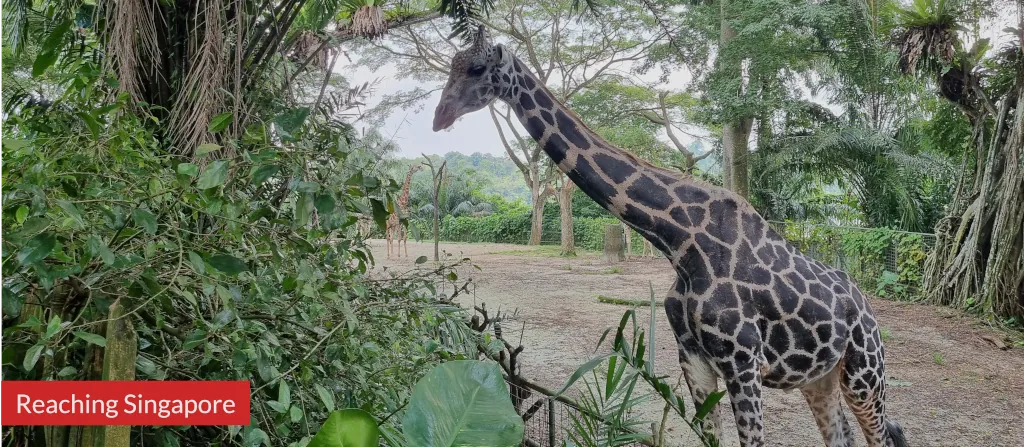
736 131
536 218
978 259
613 250
735 139
539 193
565 208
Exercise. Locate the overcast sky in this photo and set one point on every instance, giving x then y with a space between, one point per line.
411 129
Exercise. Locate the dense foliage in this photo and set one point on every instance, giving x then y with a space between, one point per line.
239 264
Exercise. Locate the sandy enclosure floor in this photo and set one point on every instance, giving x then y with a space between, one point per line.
948 386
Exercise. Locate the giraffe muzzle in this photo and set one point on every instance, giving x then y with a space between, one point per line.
444 117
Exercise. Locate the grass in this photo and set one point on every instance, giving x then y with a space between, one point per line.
938 358
886 334
625 302
543 251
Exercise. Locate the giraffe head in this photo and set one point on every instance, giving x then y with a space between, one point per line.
478 76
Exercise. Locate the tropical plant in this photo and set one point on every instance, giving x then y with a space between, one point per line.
462 402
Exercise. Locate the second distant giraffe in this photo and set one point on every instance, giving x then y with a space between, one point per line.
395 230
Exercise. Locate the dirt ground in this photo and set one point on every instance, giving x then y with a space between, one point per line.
948 385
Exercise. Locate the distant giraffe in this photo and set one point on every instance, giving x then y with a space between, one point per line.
747 306
646 247
395 230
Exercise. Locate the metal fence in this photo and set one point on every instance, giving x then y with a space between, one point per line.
883 262
550 421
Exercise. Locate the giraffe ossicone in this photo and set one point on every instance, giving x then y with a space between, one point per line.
747 307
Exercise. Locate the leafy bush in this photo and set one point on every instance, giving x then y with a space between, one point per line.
241 266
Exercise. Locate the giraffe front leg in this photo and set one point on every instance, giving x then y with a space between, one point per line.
746 407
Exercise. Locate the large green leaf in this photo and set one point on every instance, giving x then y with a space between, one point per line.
220 122
347 428
145 219
228 264
37 248
214 175
462 403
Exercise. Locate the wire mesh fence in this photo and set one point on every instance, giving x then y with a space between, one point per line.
883 262
547 422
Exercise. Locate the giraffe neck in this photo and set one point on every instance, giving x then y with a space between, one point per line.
403 199
650 199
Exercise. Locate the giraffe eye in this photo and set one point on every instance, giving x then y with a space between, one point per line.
476 70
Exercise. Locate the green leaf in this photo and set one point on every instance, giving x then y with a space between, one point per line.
51 49
380 213
284 394
348 428
12 302
145 219
67 371
228 264
308 187
325 396
32 356
292 120
295 413
463 402
586 368
21 214
206 148
197 262
421 259
256 437
37 248
91 123
220 122
53 326
97 340
7 356
214 175
100 248
708 405
188 169
14 143
324 204
303 208
263 173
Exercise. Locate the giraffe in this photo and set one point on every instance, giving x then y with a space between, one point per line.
645 248
747 307
395 230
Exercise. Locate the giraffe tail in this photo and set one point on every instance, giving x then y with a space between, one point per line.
895 432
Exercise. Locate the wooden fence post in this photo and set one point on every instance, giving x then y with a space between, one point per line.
613 244
118 364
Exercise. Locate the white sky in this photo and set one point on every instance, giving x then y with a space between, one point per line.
411 129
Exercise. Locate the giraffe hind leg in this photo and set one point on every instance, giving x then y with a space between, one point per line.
824 398
702 382
863 385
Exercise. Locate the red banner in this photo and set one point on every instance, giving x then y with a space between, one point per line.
124 403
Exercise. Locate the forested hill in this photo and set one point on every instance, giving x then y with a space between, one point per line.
498 174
